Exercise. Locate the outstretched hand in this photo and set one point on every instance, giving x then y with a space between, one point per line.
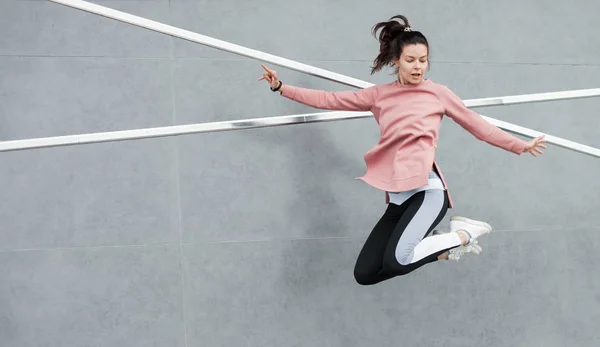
534 146
270 76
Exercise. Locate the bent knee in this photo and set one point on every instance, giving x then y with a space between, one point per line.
363 278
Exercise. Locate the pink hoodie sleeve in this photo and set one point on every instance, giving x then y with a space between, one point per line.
476 125
361 100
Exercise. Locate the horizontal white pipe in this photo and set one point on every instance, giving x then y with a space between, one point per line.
177 130
529 98
56 141
273 121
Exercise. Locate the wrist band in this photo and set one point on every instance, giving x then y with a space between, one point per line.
278 87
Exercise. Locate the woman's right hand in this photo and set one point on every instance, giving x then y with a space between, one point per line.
270 76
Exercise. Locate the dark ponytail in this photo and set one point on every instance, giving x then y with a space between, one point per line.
392 39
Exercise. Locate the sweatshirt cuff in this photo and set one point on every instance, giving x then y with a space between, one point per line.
519 147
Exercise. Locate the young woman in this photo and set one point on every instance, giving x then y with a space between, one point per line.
402 164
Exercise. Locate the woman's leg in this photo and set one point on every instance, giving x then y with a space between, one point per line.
408 247
368 269
415 218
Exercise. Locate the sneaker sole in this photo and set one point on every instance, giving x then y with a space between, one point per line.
473 222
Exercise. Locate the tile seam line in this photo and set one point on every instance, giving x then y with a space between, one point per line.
176 143
300 59
357 237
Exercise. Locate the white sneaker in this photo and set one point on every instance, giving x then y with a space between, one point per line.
457 252
474 228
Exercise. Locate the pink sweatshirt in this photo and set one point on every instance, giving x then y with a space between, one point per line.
409 118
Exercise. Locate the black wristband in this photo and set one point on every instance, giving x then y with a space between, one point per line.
278 87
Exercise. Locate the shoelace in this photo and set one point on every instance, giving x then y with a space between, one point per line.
458 252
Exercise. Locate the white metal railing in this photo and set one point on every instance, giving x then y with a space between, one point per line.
276 121
177 130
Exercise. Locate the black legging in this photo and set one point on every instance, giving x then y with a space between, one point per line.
378 260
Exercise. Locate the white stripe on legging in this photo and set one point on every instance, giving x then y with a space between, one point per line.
411 246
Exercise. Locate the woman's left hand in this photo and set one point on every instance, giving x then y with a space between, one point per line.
534 146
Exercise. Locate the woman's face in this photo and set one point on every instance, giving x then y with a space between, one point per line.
412 64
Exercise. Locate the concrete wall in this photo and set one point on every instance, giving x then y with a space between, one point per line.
249 238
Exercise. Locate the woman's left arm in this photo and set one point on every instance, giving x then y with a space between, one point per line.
484 130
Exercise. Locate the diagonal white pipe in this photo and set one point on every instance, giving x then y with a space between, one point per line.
273 121
294 65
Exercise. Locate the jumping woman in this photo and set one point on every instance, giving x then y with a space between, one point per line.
409 112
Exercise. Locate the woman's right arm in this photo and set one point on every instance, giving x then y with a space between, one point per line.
361 100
